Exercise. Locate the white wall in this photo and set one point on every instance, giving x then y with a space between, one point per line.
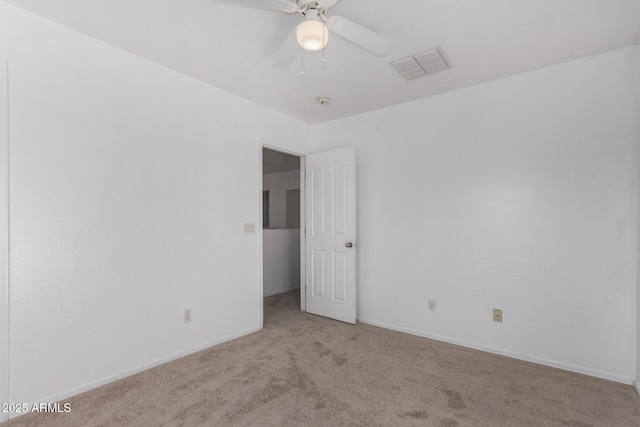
281 260
278 184
519 194
4 236
122 211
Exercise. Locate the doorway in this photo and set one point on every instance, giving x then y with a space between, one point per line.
282 216
327 231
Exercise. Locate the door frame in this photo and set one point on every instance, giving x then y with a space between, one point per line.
273 145
4 235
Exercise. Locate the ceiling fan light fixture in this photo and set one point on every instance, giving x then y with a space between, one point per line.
312 35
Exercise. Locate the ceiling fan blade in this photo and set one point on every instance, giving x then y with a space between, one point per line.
272 5
359 35
288 52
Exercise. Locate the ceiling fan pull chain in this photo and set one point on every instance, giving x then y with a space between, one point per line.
301 62
324 42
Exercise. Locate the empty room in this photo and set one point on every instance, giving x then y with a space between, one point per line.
319 213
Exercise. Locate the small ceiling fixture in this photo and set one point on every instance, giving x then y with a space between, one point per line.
312 34
323 100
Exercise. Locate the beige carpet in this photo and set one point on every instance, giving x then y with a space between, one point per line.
306 370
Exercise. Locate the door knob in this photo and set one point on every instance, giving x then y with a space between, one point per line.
349 245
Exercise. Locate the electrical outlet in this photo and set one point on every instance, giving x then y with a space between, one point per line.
187 315
497 315
432 305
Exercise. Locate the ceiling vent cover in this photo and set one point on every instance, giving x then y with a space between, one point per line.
421 64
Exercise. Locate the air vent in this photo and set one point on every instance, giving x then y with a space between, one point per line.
421 64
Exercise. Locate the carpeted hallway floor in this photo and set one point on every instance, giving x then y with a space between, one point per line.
307 370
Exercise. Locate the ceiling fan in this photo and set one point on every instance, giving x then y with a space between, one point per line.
313 33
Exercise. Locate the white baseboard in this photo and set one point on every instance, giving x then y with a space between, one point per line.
279 291
527 358
58 397
636 384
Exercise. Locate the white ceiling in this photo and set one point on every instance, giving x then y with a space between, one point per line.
233 48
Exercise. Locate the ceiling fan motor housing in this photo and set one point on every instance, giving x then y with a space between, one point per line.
316 5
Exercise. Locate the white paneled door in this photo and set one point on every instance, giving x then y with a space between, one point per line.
331 234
